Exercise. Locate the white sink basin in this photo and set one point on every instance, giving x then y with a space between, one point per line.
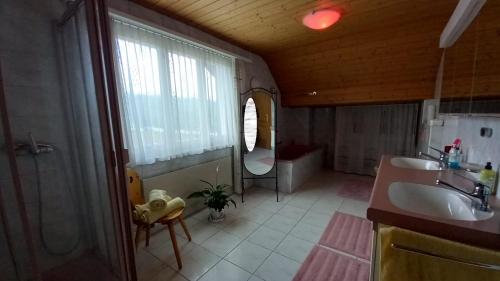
434 201
414 163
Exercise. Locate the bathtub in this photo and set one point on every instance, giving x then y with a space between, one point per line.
296 164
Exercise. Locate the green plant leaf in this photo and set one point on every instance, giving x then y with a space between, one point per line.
232 201
211 185
216 197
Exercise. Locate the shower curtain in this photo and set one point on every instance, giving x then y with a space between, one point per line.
85 130
364 133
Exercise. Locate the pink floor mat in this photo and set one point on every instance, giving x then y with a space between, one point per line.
267 160
325 265
349 234
357 190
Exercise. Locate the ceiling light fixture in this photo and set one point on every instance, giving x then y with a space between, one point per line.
321 19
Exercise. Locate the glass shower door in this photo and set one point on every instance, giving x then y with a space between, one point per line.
66 143
16 245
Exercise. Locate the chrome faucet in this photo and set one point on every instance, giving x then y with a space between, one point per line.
481 192
442 159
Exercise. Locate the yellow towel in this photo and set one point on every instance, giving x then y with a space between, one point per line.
158 199
145 214
398 265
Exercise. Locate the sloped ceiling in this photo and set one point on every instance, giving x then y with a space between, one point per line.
380 50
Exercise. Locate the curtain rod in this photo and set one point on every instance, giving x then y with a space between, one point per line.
133 20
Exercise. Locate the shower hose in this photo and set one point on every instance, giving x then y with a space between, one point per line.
43 238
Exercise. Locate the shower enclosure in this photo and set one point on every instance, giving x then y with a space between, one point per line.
63 203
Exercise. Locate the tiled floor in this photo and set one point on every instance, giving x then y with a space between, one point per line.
260 240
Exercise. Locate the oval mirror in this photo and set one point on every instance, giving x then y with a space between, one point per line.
250 118
259 133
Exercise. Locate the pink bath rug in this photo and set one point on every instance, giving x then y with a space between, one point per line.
357 190
349 234
325 265
268 161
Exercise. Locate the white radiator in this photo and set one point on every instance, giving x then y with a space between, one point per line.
183 182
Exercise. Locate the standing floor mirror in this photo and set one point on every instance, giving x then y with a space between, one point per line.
258 135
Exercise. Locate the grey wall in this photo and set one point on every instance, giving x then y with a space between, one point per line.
310 126
476 149
323 132
296 125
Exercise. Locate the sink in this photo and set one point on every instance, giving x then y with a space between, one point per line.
414 163
434 201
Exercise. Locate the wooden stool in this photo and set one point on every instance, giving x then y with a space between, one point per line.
169 221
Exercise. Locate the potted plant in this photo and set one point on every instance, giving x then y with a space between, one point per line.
215 198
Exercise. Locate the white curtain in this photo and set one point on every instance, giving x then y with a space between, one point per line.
364 133
177 98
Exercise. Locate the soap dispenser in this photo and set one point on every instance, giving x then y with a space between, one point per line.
488 175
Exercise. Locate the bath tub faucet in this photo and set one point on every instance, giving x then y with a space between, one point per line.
481 192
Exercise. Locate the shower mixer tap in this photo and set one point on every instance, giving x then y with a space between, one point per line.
33 147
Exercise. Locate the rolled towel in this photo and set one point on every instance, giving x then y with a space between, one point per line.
145 214
158 199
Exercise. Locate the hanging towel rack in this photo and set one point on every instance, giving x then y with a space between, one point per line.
443 257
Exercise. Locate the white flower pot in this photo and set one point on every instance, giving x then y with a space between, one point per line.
216 216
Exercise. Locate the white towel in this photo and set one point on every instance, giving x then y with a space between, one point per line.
145 214
158 199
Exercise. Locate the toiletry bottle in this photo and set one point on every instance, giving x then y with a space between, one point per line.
488 175
454 155
453 158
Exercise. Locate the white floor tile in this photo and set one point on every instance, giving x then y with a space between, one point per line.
292 212
277 268
147 265
200 232
221 243
354 207
271 205
290 228
316 219
168 274
242 227
302 202
327 205
294 248
307 232
266 237
225 270
201 215
162 248
248 256
255 278
257 216
160 236
195 262
281 223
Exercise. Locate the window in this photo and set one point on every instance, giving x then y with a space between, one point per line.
176 98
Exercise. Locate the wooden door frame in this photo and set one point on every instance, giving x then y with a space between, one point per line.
109 115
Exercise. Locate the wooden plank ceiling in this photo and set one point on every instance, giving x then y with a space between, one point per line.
380 50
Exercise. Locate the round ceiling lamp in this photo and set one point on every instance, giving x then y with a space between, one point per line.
321 19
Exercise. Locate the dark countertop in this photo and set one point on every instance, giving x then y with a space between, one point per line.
484 233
